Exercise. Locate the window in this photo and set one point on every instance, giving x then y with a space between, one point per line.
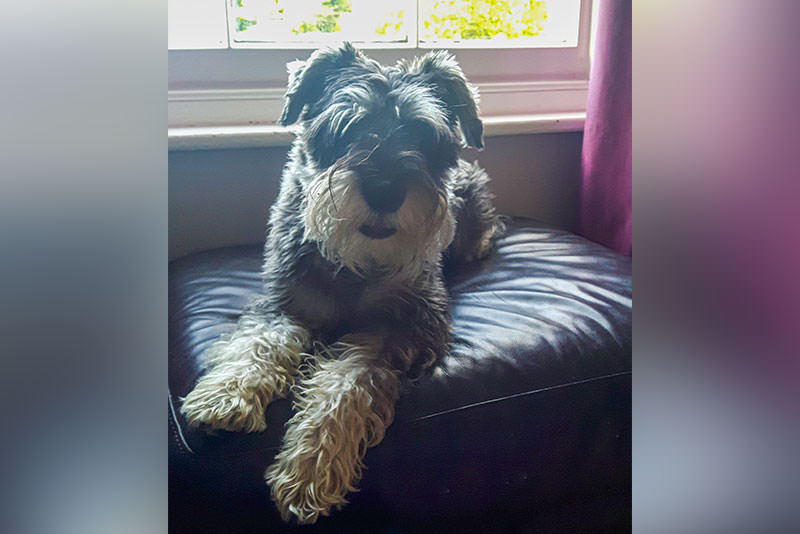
289 23
227 58
373 24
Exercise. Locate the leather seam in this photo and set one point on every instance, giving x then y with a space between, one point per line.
517 395
178 429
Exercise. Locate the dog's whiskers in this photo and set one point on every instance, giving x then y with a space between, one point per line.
369 155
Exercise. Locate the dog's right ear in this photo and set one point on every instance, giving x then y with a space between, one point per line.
307 79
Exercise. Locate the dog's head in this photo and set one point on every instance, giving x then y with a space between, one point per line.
375 145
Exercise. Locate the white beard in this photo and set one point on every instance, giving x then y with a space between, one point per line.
334 211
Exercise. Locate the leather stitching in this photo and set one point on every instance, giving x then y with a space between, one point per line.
177 429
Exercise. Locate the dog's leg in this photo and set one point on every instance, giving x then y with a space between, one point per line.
477 224
343 407
246 371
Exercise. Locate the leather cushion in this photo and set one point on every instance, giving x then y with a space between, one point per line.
532 406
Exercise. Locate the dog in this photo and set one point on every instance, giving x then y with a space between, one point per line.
373 201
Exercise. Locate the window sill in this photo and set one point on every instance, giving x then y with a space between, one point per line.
213 117
257 136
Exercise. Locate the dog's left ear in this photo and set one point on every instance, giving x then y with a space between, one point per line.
307 78
440 70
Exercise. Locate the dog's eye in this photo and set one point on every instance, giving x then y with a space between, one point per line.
424 132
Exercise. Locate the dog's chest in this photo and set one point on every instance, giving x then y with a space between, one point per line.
334 304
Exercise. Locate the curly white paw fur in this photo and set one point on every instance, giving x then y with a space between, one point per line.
299 489
226 401
343 408
247 370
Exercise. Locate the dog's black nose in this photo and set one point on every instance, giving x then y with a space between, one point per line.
383 196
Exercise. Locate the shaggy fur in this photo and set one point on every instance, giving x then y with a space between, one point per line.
373 200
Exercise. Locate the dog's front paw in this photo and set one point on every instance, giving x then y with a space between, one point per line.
300 490
223 402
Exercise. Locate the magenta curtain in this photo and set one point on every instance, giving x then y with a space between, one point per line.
605 194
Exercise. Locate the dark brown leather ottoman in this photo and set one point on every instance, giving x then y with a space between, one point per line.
527 425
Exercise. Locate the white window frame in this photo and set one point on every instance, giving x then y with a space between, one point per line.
231 98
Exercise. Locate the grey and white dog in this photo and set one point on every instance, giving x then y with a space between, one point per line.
372 201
